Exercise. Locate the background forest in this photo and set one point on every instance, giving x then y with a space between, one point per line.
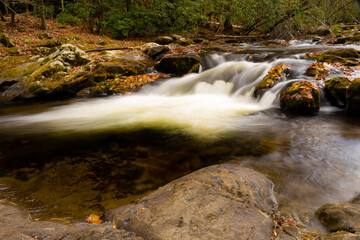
127 18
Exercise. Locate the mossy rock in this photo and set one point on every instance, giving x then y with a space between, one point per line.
184 41
340 217
179 64
275 75
43 36
69 55
343 56
353 97
274 43
48 44
300 98
317 70
336 89
164 40
5 40
21 29
118 67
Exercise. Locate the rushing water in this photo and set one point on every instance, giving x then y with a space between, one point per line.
82 156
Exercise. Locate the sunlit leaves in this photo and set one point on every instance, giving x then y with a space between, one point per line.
125 85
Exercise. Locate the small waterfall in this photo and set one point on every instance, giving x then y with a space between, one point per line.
207 104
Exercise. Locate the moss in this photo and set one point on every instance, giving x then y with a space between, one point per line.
336 89
48 43
5 40
353 97
178 64
300 97
343 56
318 70
275 75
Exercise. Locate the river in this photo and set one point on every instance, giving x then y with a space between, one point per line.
70 158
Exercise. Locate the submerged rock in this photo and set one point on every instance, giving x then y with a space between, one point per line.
341 217
353 97
336 89
218 202
300 97
275 75
179 64
5 40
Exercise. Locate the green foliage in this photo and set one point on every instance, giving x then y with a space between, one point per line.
68 18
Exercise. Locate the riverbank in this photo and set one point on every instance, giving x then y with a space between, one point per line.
221 104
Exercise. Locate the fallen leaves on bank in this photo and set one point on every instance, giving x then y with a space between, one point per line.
125 85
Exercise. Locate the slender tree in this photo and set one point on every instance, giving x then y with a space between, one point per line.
42 15
12 23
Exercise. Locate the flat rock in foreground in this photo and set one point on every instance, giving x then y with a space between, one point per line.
15 225
218 202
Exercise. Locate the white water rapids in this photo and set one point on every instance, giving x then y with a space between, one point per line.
205 105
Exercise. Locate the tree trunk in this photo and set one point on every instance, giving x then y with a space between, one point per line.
62 6
128 5
12 23
228 28
42 15
2 16
6 8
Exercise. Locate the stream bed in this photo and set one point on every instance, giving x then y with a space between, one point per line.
72 158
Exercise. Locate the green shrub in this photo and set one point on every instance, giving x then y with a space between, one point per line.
68 18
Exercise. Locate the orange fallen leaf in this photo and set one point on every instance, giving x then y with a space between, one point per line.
93 219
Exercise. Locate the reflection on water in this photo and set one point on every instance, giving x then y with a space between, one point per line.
72 159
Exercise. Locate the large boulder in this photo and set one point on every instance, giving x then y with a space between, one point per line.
341 217
318 69
164 40
179 64
69 55
336 89
16 225
218 202
156 51
5 40
344 56
117 67
300 97
353 97
275 75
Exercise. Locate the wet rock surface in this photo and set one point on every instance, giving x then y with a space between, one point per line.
179 64
217 202
353 97
341 217
336 89
275 75
301 98
16 225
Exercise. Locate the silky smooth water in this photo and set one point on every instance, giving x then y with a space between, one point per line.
87 156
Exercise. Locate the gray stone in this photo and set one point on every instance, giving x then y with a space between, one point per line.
69 54
164 40
156 51
15 225
218 202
